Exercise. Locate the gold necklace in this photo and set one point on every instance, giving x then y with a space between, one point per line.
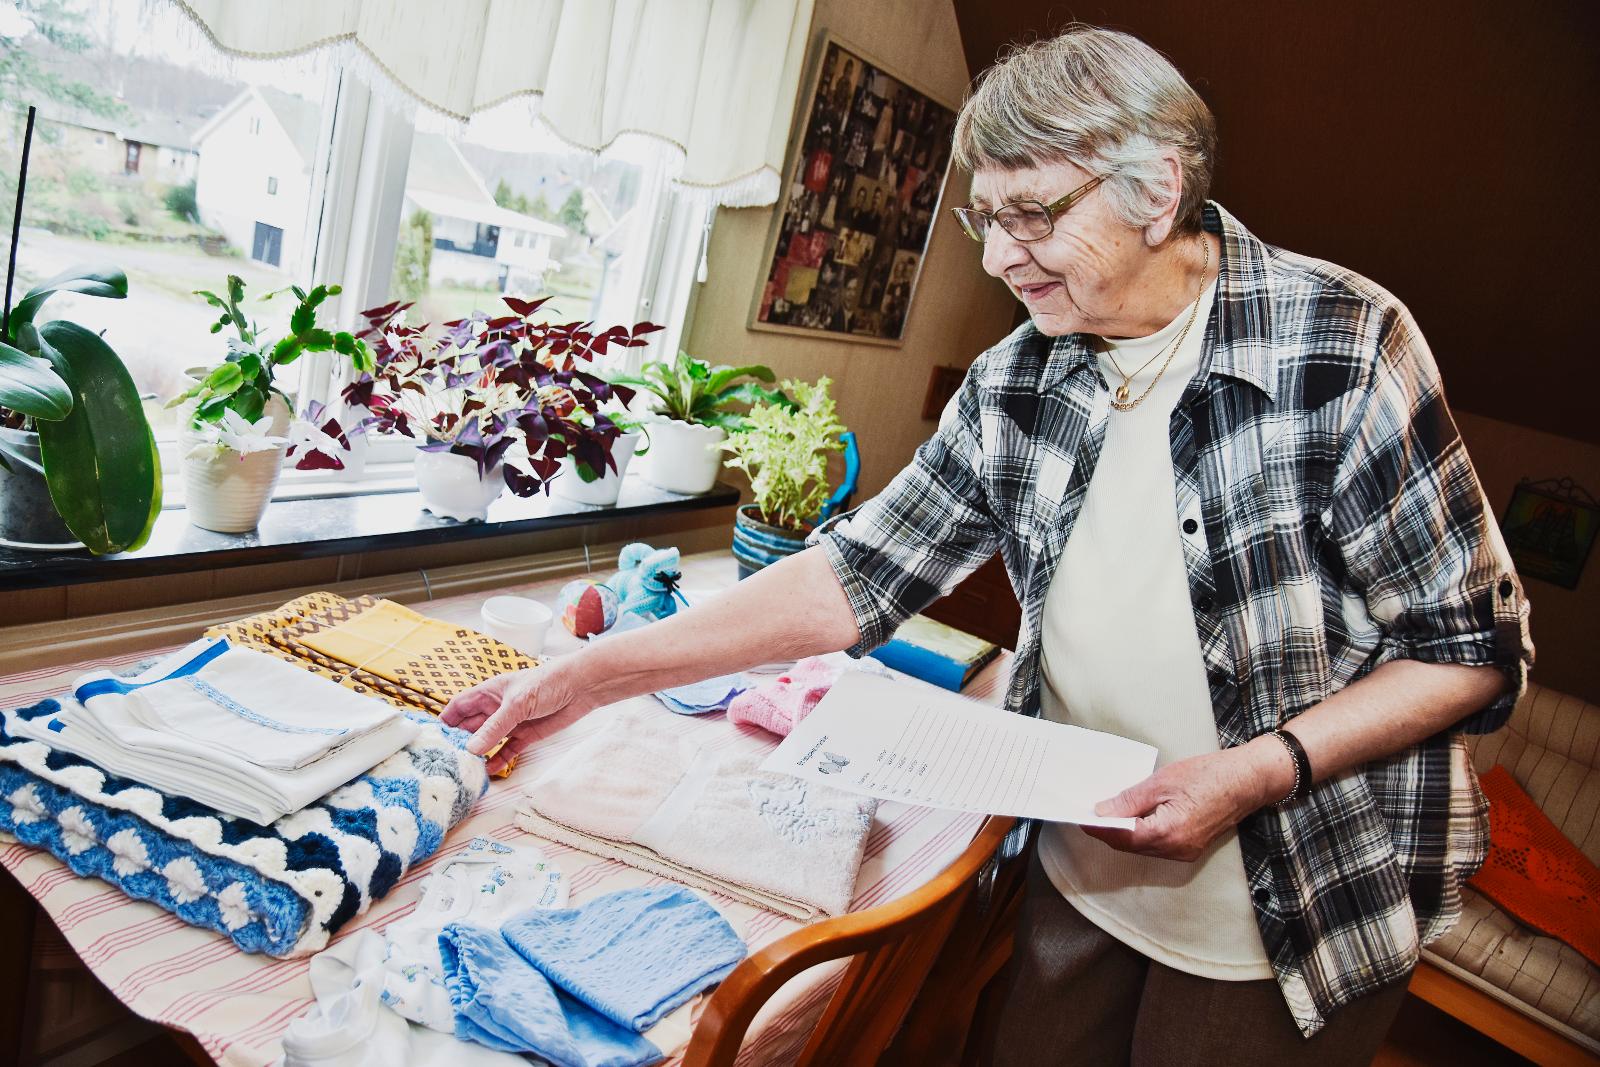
1119 399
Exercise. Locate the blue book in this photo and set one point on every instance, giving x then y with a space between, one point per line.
936 653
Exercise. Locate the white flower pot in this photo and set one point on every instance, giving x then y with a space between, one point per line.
229 493
684 457
602 490
452 489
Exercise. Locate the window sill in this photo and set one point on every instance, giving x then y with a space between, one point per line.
311 527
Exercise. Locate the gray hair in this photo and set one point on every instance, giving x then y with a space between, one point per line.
1101 100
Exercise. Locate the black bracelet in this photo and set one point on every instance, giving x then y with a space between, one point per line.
1302 766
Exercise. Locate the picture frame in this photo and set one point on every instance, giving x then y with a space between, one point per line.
1549 528
862 189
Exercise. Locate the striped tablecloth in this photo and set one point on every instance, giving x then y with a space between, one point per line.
238 1005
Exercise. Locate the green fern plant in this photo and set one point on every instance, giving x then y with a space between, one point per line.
692 390
784 450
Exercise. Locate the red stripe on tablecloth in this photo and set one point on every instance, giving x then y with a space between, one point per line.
270 1027
16 852
917 868
155 972
778 1024
888 831
915 865
81 911
592 874
49 881
196 1002
110 943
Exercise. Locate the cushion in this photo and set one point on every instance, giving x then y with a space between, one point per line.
1537 975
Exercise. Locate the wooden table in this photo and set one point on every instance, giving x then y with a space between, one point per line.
237 1005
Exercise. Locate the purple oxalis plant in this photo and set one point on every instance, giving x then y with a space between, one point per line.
481 385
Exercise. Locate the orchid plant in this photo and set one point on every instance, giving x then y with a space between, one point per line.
509 391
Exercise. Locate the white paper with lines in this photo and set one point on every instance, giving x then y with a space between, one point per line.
900 740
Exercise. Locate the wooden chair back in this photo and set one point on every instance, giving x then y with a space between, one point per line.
892 947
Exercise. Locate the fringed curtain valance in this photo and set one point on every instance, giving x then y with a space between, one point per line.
713 79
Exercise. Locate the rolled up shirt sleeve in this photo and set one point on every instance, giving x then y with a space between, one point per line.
1417 537
928 529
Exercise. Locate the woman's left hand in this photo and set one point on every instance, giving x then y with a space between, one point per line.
1184 806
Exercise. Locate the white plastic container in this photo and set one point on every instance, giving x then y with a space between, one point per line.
517 621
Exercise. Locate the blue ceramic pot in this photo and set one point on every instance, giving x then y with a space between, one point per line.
756 544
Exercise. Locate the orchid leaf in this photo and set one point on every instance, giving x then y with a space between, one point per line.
106 281
30 386
100 461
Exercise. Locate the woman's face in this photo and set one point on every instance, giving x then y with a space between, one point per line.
1075 280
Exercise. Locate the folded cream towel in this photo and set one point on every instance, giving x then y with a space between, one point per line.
639 792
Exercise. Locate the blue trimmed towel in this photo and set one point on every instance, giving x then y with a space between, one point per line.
281 889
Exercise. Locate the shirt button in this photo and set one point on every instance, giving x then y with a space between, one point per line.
1506 588
1203 604
1190 526
1263 897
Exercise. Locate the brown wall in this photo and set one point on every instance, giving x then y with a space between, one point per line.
1563 620
957 311
1447 149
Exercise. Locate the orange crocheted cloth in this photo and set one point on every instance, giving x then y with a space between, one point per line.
1534 872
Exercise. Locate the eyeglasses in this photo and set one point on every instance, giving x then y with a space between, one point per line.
1024 220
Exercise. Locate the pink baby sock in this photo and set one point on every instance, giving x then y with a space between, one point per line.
779 705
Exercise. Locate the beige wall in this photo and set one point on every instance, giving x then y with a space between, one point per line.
957 312
1563 620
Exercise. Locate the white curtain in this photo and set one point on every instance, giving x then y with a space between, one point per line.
715 79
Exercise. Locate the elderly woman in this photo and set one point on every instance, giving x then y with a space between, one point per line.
1242 528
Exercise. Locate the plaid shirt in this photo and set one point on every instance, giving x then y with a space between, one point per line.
1339 525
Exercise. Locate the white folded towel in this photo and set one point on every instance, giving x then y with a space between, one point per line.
236 700
232 729
639 792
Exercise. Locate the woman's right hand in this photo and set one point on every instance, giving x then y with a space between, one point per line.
510 705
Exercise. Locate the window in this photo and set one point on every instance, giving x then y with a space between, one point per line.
389 206
267 247
172 228
509 210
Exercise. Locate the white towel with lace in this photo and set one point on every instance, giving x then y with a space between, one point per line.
232 729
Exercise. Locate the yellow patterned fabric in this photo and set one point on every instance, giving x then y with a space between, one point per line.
431 658
377 647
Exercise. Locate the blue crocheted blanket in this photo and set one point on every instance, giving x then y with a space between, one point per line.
282 889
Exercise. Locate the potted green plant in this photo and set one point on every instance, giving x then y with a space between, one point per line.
78 462
783 449
233 436
698 406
